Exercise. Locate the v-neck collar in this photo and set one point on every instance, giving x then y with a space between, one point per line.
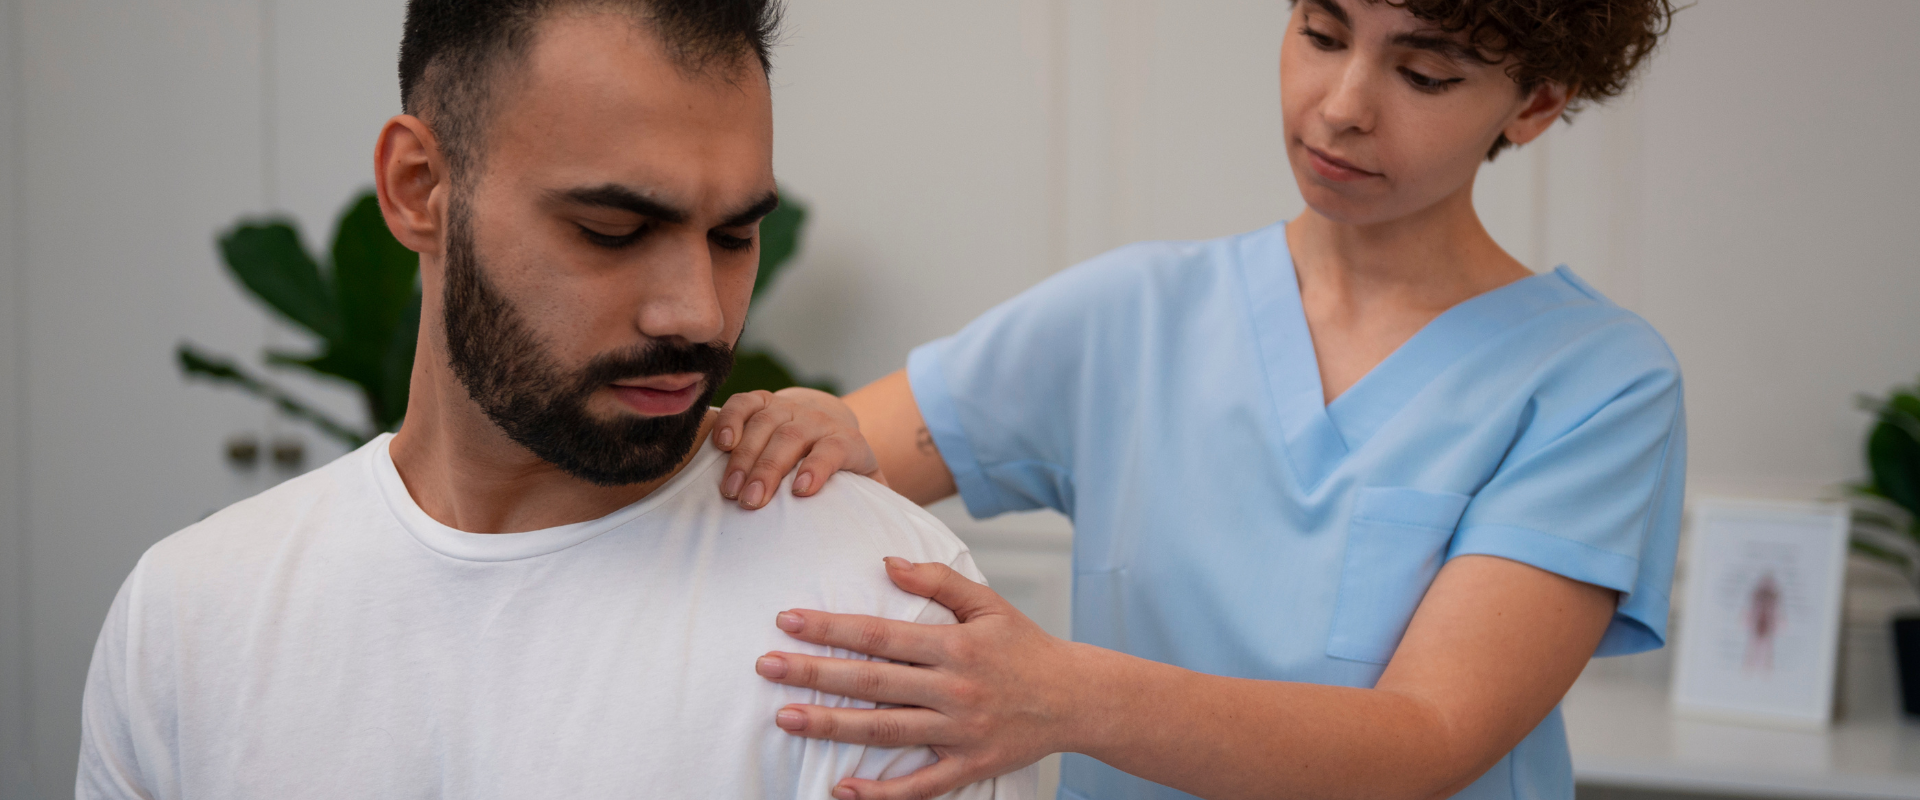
1320 435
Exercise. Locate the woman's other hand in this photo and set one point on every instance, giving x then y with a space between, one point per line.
990 695
770 433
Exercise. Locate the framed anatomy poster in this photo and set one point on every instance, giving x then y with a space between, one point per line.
1760 617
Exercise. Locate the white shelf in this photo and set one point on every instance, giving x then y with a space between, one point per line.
1623 733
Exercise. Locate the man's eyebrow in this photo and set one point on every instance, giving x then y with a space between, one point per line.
1437 43
615 196
754 213
1334 10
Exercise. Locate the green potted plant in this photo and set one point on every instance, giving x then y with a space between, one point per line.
363 311
1887 524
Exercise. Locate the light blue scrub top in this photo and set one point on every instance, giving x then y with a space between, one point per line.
1166 397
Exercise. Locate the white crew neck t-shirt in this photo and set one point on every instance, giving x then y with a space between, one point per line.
329 639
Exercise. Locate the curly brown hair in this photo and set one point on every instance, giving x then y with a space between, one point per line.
1593 46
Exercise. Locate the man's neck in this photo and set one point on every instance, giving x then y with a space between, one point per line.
463 471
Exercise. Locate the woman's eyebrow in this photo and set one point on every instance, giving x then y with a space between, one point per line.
1438 43
1334 10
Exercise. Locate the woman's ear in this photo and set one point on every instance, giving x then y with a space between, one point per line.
1544 105
410 175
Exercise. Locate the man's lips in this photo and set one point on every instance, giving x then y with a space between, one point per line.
659 395
1334 169
663 383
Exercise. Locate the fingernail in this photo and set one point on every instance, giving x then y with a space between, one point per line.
724 438
801 483
754 491
771 667
790 622
790 720
731 489
896 562
844 793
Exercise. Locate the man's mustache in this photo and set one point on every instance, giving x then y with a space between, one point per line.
659 358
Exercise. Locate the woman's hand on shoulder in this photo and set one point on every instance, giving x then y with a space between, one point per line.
991 694
769 434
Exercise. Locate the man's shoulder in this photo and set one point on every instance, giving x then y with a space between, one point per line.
855 517
832 544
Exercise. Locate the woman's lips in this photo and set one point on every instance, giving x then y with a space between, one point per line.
1334 169
660 397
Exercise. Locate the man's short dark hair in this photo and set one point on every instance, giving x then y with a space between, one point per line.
453 51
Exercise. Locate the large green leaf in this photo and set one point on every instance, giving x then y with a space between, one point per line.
374 278
1893 454
270 261
221 369
329 363
1880 552
1903 412
366 311
779 239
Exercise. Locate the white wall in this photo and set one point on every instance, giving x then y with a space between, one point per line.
139 141
929 180
1780 219
1756 200
13 561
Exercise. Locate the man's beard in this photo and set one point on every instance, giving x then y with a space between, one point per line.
542 406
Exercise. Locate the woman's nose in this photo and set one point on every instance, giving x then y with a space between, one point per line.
1349 104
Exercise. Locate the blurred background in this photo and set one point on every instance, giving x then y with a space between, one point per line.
1757 199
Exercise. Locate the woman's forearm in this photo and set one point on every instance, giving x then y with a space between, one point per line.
1235 738
891 422
1493 648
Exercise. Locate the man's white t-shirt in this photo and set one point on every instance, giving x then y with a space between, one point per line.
327 638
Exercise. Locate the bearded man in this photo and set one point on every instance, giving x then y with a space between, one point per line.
532 589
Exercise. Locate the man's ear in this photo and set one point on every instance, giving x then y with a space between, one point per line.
410 175
1544 106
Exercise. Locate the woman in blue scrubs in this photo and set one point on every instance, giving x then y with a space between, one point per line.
1355 497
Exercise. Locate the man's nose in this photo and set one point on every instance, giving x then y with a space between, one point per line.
681 299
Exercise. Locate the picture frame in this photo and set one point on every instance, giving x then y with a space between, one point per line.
1758 639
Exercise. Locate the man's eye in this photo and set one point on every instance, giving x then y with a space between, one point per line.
612 241
730 242
1427 83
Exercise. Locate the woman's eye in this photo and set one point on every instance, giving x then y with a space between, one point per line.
612 241
1319 39
731 242
1427 83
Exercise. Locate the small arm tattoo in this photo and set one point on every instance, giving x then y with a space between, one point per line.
924 439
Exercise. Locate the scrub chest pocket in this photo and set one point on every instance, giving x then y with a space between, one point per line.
1396 542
